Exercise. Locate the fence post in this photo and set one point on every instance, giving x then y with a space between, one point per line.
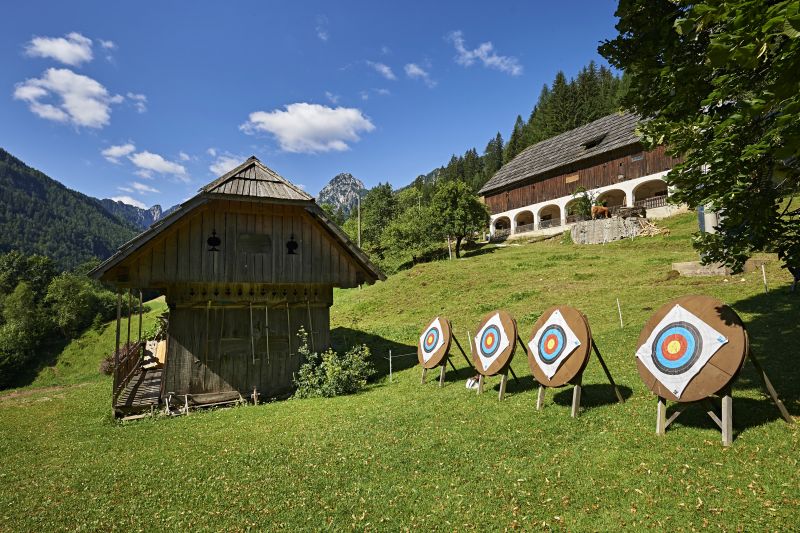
390 366
619 310
764 276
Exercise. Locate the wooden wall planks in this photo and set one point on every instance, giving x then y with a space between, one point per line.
600 172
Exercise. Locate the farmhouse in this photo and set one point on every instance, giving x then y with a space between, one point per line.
243 265
534 192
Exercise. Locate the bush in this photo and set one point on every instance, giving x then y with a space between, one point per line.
330 374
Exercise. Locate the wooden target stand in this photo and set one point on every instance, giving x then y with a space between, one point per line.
571 369
716 377
438 353
501 360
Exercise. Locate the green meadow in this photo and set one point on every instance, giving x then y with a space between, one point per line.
406 456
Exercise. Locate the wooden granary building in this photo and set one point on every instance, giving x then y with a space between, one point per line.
243 265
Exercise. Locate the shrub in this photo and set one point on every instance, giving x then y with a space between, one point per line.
329 373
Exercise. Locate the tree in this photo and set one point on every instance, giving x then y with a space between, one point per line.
720 83
73 302
378 208
515 142
459 214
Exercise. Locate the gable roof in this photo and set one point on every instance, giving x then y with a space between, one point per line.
252 180
603 135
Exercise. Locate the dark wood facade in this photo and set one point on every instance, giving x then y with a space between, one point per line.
629 162
243 266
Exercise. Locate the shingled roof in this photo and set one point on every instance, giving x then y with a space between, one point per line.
253 178
603 135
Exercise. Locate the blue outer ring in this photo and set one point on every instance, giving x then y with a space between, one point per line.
559 333
491 329
694 347
425 346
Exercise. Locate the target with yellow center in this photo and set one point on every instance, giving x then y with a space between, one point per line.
434 343
559 346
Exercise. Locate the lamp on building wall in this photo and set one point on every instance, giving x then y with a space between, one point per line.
213 241
291 246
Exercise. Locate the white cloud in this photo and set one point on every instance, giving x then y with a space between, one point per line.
64 96
385 50
365 94
334 98
139 101
212 152
414 71
225 162
322 28
125 189
113 153
142 188
183 156
142 173
130 201
72 49
108 45
383 70
486 54
148 162
310 128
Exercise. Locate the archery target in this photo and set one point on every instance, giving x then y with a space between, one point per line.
553 343
678 348
434 342
494 343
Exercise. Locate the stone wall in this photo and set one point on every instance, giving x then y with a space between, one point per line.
604 230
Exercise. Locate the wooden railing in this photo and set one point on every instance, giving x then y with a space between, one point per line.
130 358
652 202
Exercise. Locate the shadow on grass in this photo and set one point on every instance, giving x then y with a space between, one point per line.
592 395
481 249
774 330
403 355
48 353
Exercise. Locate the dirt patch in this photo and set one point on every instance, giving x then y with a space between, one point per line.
15 395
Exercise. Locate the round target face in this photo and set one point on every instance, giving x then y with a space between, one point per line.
431 338
676 348
490 341
551 343
434 342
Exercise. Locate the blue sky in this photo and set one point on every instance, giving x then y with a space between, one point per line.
149 101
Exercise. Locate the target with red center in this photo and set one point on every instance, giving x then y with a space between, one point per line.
494 343
434 343
691 348
559 346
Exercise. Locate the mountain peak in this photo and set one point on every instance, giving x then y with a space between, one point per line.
342 192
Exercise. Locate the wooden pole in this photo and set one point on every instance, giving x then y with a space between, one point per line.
130 308
288 327
266 328
540 398
608 374
252 340
463 352
449 249
116 348
771 390
619 310
441 375
503 382
390 366
310 326
764 276
661 416
576 397
141 311
727 417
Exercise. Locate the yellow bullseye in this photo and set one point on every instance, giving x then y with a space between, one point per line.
674 347
551 343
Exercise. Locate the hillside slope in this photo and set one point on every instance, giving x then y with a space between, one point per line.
402 455
40 215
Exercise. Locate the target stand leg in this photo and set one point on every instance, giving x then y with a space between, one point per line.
771 390
424 374
540 398
463 353
661 416
727 417
576 397
442 370
503 383
620 398
480 384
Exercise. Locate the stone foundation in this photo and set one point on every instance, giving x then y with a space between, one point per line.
604 230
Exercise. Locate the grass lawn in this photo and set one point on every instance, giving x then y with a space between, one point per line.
402 455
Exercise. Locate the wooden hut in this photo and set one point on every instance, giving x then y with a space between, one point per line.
243 265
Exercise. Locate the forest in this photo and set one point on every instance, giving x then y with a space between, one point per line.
413 224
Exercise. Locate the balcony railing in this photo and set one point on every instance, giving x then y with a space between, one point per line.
652 202
524 228
552 223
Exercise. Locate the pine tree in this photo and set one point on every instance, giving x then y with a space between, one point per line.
515 142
